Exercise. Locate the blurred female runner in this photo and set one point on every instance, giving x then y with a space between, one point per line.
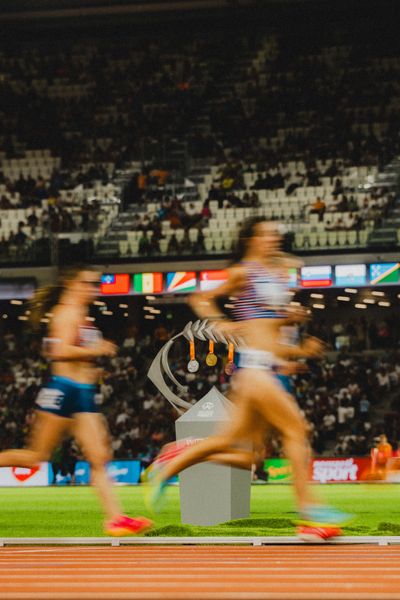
66 404
259 284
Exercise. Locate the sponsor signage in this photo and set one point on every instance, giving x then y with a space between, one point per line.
339 470
322 470
82 473
122 472
279 470
25 477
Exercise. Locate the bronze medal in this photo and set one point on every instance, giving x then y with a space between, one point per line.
229 368
230 365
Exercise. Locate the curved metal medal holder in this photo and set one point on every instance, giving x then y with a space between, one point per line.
209 493
201 330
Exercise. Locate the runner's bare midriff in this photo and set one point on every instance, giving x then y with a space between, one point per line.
262 334
81 372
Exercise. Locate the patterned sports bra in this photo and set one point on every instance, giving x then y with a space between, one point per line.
88 336
265 295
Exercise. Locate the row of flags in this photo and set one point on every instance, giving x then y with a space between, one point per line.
308 277
347 275
154 283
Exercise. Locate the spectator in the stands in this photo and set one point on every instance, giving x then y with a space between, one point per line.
318 207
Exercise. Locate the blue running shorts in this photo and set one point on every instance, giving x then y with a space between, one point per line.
65 397
286 382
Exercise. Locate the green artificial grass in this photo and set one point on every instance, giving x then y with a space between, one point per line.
69 511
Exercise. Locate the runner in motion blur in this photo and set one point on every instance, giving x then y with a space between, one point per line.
258 281
66 404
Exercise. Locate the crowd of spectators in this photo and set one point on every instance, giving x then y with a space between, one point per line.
247 103
358 334
337 395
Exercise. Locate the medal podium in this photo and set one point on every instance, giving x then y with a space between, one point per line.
210 493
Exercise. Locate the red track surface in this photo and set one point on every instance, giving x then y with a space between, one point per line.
201 573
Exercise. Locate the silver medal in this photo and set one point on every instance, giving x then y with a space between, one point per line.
193 366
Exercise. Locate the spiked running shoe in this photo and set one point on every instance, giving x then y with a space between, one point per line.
168 453
155 497
156 485
323 516
317 535
320 523
123 525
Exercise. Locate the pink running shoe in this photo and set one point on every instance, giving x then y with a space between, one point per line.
124 525
168 452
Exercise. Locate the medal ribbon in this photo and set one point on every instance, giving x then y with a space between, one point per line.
231 352
192 351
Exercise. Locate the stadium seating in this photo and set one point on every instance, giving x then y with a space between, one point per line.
187 126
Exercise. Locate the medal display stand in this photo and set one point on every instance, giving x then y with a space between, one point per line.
210 494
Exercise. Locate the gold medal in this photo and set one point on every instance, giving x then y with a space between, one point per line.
211 358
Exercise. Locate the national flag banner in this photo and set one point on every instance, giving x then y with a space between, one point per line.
181 281
148 283
115 283
316 276
209 280
292 277
350 275
384 273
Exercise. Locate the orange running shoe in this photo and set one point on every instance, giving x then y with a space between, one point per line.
317 535
124 525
